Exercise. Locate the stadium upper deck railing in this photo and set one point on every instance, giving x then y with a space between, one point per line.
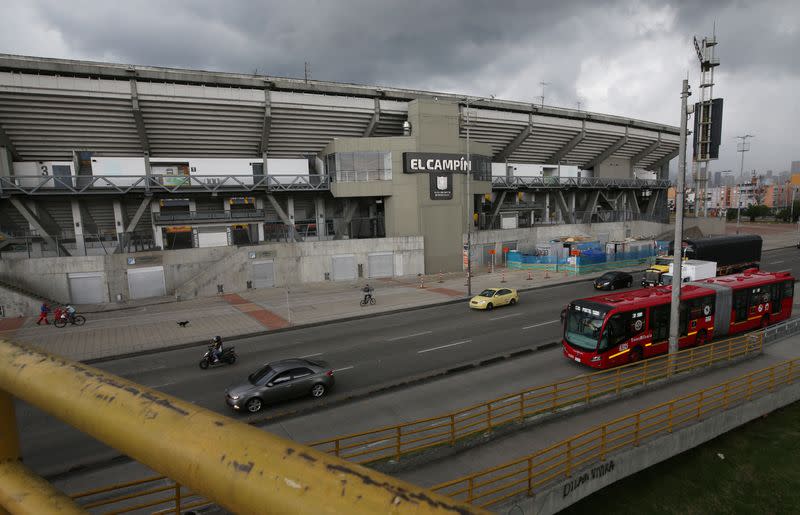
121 184
515 183
223 183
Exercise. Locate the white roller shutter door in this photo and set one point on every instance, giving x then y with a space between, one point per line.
381 264
146 282
212 237
87 288
263 274
344 268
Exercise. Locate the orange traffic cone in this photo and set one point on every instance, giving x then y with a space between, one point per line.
530 277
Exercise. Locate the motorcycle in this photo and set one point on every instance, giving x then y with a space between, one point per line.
228 356
62 319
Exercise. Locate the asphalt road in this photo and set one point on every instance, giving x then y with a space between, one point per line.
364 353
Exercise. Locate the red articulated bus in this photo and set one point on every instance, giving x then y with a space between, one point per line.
617 328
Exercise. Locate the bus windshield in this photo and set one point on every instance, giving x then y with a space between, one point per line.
583 327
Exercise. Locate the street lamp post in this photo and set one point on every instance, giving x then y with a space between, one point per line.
678 239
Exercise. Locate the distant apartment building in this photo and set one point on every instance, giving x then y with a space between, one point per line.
795 167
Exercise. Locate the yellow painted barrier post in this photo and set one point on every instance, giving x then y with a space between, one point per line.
9 434
242 468
24 493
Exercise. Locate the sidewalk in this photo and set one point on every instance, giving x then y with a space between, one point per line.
151 324
155 326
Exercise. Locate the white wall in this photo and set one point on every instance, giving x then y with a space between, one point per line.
33 171
531 170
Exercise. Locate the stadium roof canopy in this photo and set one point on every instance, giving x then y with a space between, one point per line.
51 107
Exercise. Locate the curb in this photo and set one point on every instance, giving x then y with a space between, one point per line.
327 403
312 324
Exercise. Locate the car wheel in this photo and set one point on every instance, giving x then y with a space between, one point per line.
318 390
254 405
512 301
630 283
612 286
489 306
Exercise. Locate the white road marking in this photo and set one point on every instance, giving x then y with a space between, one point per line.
343 368
776 262
163 385
311 355
443 346
373 444
506 316
543 323
408 336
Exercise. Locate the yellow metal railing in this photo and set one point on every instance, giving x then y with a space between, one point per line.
240 467
392 442
559 461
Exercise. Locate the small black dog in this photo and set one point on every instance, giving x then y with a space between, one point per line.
184 323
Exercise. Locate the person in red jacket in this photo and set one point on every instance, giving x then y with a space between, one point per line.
43 311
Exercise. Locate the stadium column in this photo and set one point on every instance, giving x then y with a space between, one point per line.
547 207
319 205
290 215
77 226
119 222
5 165
260 225
158 236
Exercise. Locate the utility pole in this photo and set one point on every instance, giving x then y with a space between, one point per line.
678 240
469 204
742 147
543 84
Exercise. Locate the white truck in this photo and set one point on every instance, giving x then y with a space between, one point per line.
692 270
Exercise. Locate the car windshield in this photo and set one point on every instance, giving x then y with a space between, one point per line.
487 293
260 374
607 277
583 327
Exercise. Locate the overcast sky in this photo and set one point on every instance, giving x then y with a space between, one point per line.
625 58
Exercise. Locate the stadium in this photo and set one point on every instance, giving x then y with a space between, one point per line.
109 167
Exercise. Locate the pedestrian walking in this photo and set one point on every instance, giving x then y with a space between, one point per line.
43 311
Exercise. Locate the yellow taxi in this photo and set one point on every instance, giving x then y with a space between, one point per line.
492 297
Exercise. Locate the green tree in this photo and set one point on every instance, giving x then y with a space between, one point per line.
756 211
731 214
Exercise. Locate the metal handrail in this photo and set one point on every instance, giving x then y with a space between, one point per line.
395 441
560 460
121 184
578 182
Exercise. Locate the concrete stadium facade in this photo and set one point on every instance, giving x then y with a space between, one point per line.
100 158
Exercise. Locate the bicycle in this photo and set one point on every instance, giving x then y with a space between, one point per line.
64 319
368 299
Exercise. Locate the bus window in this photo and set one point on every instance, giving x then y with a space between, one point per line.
777 296
788 289
740 305
616 328
659 322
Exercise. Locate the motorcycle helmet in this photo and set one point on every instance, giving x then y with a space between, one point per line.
217 339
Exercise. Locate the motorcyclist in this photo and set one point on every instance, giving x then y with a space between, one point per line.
216 349
367 292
